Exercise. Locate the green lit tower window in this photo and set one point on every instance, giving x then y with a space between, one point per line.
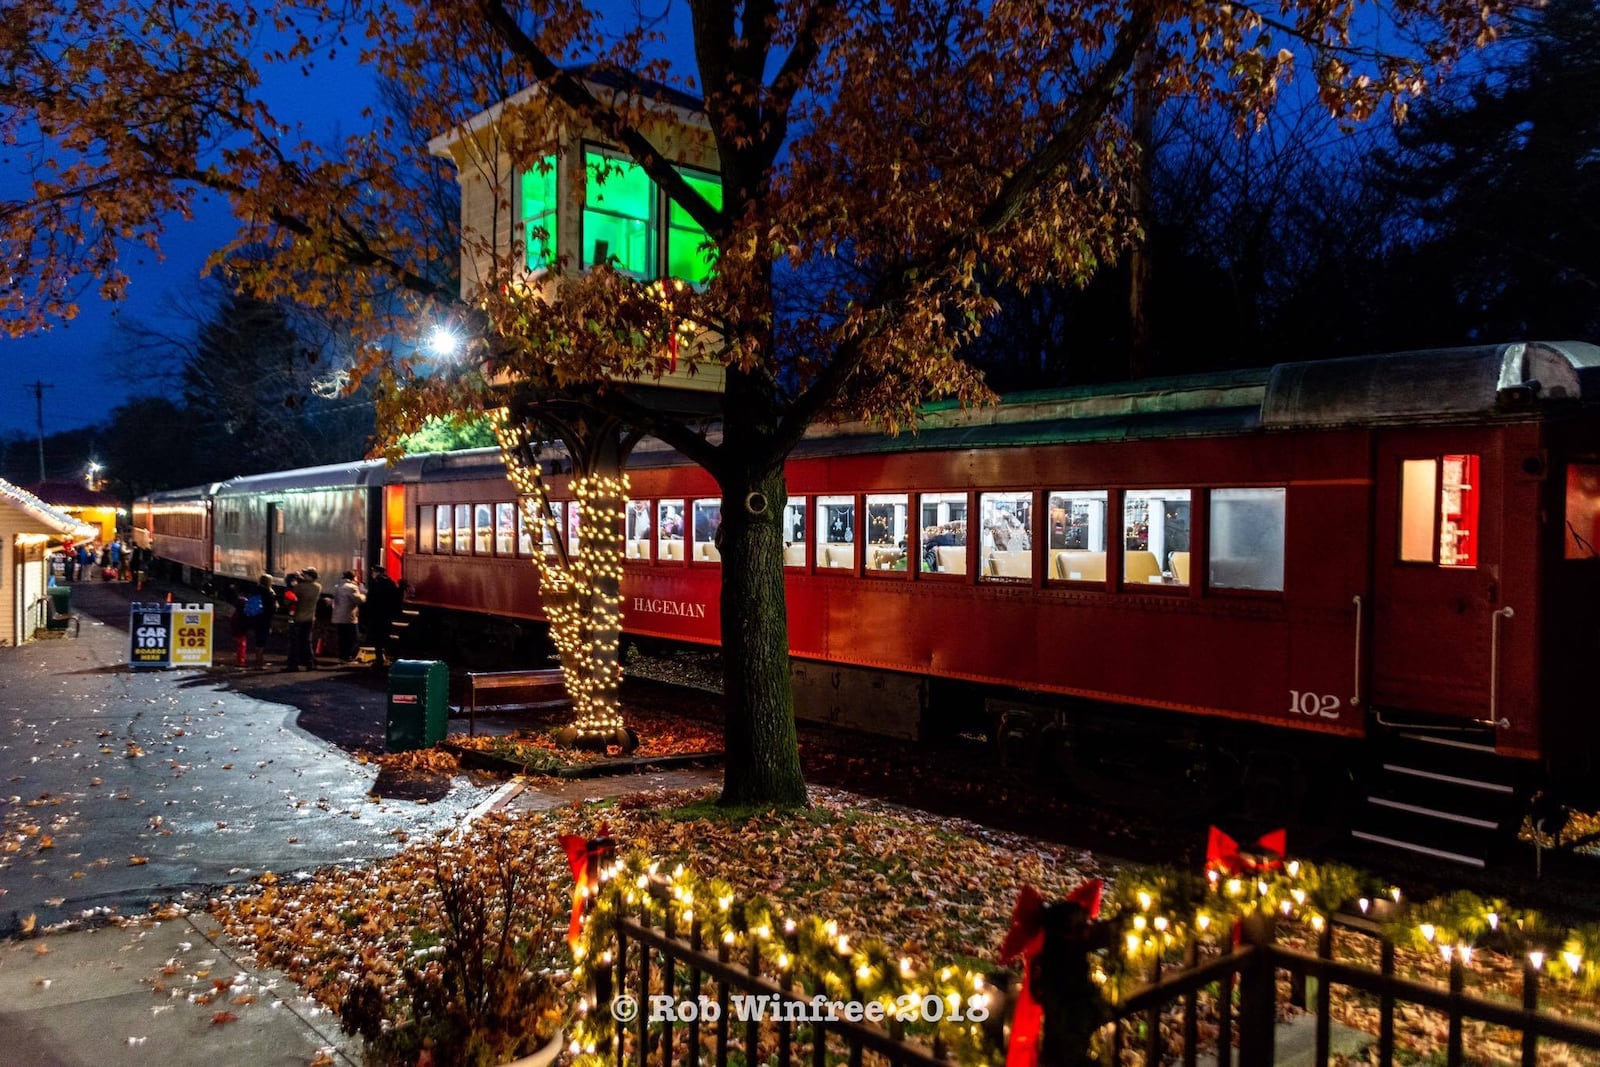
688 256
537 211
619 215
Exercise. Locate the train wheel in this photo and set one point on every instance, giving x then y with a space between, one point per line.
1274 786
1215 775
1015 738
1548 815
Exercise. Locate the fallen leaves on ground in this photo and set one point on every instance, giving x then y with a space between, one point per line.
421 761
932 887
535 746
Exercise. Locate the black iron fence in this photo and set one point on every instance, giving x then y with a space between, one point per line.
669 991
1242 984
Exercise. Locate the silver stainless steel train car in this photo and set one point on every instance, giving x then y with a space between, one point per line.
327 517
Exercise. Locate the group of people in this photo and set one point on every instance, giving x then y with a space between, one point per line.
114 560
945 534
311 614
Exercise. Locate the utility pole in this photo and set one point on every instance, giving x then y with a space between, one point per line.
38 388
1139 257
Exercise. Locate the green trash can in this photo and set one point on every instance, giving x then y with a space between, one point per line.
60 616
419 691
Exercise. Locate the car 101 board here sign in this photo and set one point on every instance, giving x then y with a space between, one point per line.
169 635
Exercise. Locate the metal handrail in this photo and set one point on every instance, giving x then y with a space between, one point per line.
1355 701
1494 665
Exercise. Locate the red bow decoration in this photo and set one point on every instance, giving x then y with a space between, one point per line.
577 849
1025 939
1224 855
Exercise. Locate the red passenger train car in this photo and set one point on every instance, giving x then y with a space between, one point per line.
1384 562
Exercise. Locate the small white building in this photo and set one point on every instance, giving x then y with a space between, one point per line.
27 527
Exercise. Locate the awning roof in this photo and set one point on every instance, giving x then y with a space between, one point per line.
42 517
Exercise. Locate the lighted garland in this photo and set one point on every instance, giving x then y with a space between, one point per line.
580 594
813 953
1155 914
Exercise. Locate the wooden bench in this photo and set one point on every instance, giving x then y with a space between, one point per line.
71 622
538 682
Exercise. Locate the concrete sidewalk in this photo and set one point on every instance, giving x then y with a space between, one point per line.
177 993
168 993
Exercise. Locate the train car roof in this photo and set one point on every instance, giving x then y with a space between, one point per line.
331 476
179 496
468 463
1515 380
1434 385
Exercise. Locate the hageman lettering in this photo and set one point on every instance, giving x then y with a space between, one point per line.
669 607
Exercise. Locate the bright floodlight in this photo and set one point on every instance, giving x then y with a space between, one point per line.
443 342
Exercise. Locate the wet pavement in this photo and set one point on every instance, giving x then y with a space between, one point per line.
126 790
123 788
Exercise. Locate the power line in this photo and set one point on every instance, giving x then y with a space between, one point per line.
38 389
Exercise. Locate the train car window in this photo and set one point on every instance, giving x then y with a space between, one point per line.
943 517
1246 539
527 526
794 532
669 530
1458 511
505 529
1077 535
426 531
888 531
1583 511
463 538
1439 494
444 530
1155 525
483 529
1005 544
1418 480
550 530
707 520
836 532
638 530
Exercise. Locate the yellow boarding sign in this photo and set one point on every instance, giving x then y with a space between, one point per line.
191 636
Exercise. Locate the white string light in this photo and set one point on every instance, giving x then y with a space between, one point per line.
581 596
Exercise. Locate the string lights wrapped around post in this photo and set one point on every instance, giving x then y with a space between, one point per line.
581 592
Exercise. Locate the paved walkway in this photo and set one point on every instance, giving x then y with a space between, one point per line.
175 992
167 993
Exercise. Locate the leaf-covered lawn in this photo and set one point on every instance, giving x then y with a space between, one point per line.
931 887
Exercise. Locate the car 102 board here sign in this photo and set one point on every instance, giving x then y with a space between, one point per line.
169 635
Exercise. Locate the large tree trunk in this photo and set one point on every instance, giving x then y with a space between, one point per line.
763 758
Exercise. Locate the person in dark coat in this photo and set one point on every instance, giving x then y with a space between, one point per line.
307 591
265 608
381 609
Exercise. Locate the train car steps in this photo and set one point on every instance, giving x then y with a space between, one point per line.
1441 797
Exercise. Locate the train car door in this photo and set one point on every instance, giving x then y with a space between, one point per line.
1436 579
394 530
274 545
